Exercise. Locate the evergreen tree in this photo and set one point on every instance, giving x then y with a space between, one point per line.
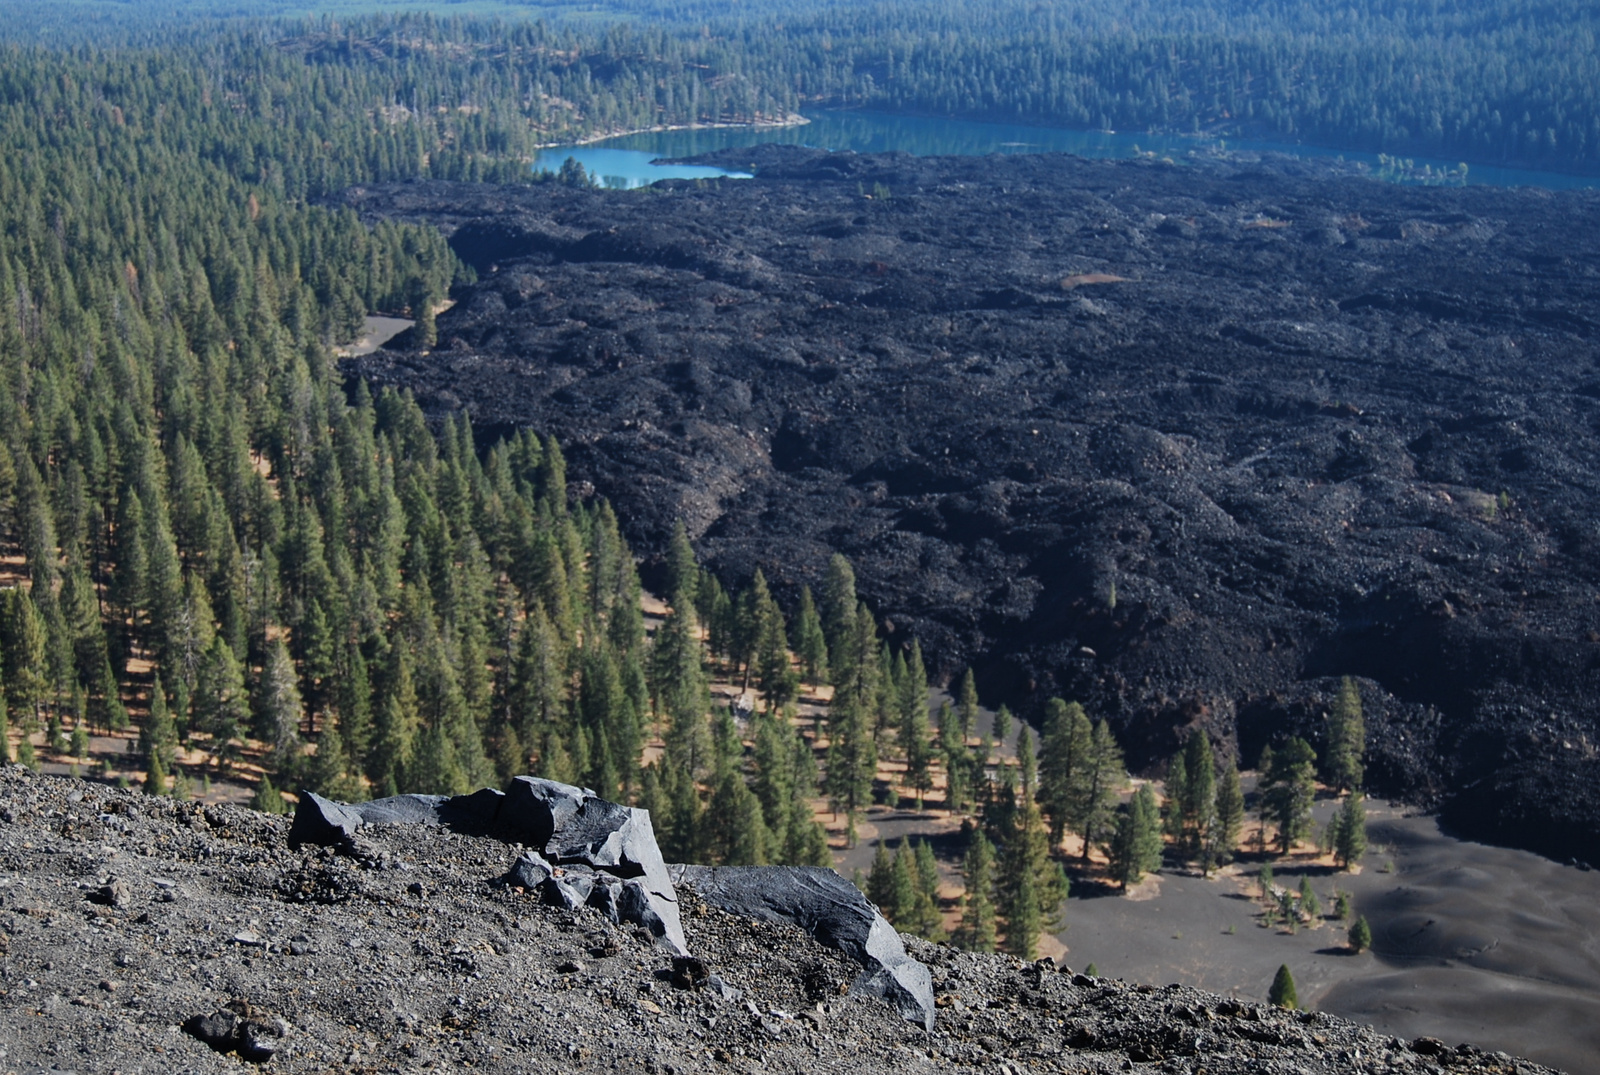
279 708
1172 816
395 734
958 789
967 706
1097 785
155 776
914 725
978 927
23 656
929 920
1360 936
1346 738
221 705
811 644
1135 847
737 829
1001 729
1199 799
1350 831
779 684
25 753
1309 904
160 735
1230 815
839 608
880 880
682 695
1032 885
852 752
903 890
1282 993
1064 753
1288 790
267 798
80 737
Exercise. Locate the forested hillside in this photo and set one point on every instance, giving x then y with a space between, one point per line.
1480 80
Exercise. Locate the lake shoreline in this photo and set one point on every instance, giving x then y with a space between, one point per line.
793 119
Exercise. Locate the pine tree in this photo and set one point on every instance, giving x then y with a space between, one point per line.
1001 729
852 753
1350 831
1032 885
395 734
1199 799
1310 906
839 608
1135 847
929 920
958 791
1360 936
80 737
25 753
682 695
880 880
978 926
811 644
1346 738
1282 993
779 684
23 656
967 706
737 830
155 776
1288 790
903 889
1063 755
267 799
160 733
914 725
1097 785
1230 815
1177 786
279 708
221 704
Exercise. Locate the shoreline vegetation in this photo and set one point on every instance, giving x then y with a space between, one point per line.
793 119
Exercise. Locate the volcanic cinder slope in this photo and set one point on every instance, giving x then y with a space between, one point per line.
131 927
1182 442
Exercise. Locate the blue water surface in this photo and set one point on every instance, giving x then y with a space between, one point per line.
625 162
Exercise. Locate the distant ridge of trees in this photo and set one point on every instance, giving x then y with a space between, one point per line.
1487 82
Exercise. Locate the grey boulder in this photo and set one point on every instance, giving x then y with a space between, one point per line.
833 911
587 851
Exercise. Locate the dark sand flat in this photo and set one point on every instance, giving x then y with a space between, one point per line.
1471 943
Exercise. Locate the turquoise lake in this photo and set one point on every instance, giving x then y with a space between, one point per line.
625 162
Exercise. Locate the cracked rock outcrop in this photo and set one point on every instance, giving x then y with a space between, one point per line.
587 851
830 909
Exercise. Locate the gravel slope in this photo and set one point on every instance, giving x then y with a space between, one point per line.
124 918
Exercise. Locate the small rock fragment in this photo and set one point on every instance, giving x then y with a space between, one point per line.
688 972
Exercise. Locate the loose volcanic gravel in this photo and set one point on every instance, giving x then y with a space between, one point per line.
133 927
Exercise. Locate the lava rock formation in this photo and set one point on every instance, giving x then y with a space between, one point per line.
1185 443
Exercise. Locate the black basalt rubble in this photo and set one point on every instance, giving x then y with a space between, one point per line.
830 909
1184 443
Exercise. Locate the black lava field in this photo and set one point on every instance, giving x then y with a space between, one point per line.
1186 443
